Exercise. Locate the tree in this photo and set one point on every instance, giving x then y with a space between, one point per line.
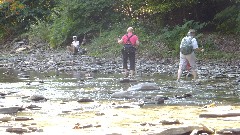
17 15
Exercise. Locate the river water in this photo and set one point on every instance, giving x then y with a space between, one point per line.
74 85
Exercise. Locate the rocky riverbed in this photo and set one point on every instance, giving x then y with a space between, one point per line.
126 112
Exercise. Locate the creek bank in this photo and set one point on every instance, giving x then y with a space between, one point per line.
125 118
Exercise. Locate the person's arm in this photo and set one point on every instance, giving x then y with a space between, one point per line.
195 46
120 41
137 43
199 49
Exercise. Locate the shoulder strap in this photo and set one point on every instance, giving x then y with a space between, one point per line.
128 40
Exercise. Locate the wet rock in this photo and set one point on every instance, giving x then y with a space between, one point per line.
155 100
17 130
159 100
238 80
87 126
25 125
114 134
127 80
99 114
66 111
33 107
234 131
10 110
210 105
232 75
11 92
24 75
41 81
220 114
24 97
39 130
170 122
122 94
85 100
23 119
219 76
123 106
33 129
2 94
5 118
78 126
180 130
144 87
38 98
187 95
143 124
28 83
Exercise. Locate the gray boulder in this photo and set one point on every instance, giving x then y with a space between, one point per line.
10 110
122 94
146 86
38 98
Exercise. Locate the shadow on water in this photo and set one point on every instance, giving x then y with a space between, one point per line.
74 85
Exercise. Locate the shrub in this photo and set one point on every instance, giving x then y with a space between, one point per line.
105 45
228 20
40 30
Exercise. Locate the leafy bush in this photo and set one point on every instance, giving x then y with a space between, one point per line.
207 42
228 20
60 31
105 45
40 30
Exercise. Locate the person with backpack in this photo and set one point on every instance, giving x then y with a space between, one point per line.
187 48
130 43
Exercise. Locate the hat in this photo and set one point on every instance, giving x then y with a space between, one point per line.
74 36
191 31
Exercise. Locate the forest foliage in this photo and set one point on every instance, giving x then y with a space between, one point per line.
56 21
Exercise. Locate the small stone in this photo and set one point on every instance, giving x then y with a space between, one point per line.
39 130
100 114
17 130
23 119
5 118
85 100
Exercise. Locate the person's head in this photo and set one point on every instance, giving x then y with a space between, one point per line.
130 29
191 32
74 37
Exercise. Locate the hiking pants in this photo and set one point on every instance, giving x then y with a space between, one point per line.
128 56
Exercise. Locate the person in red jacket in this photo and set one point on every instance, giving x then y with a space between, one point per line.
130 42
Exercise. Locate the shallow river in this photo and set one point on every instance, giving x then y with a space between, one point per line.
73 85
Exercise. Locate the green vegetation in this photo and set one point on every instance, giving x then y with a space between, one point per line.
160 25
